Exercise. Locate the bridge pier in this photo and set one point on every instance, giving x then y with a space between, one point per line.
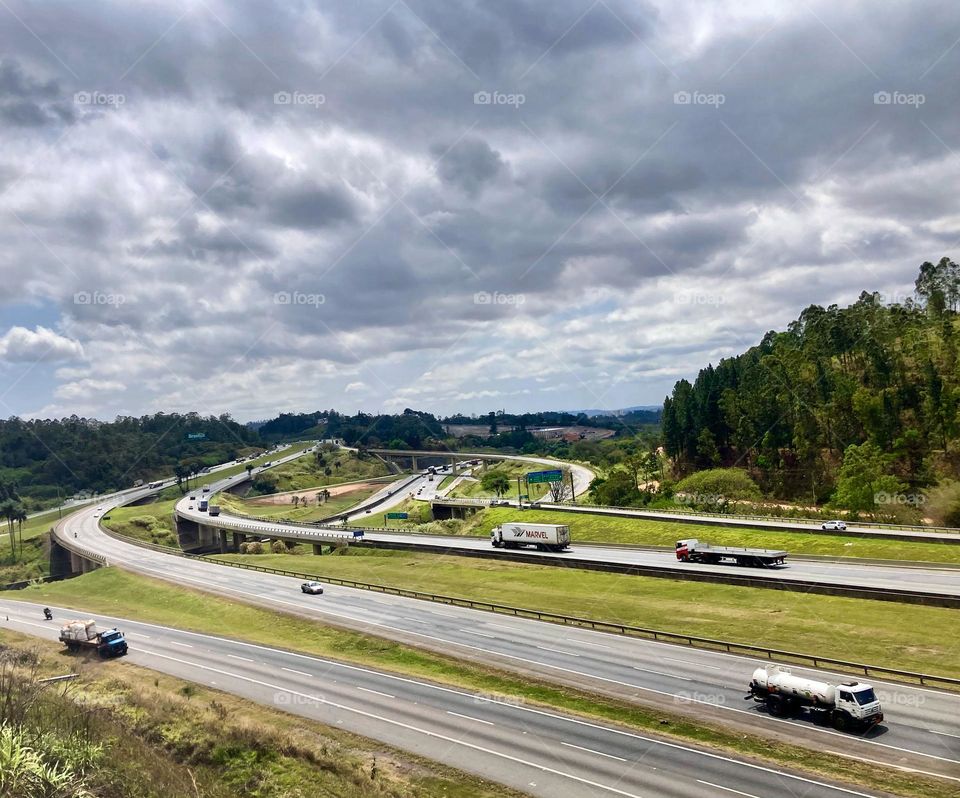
414 458
318 548
238 538
453 466
222 534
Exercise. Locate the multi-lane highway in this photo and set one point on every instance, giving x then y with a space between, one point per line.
899 579
922 728
534 750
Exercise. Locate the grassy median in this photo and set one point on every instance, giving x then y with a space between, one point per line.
588 528
861 630
128 731
110 591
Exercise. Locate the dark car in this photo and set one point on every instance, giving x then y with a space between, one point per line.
314 588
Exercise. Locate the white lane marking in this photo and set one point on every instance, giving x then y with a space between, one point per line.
178 643
138 634
299 673
662 673
558 651
945 734
478 634
728 789
467 717
591 751
375 692
501 626
410 727
245 659
691 662
585 643
163 574
891 765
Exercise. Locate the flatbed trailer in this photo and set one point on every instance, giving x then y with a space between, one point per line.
692 550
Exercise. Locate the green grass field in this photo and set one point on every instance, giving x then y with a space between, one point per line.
305 472
635 531
111 591
875 632
310 512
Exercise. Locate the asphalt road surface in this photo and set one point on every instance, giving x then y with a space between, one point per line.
921 730
537 751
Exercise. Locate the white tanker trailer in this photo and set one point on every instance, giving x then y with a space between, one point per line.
849 704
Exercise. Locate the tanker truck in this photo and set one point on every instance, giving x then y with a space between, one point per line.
848 704
546 537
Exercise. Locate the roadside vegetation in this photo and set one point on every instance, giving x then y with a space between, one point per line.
326 466
115 592
127 732
859 630
302 506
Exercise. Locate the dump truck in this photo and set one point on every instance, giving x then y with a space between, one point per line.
78 635
849 705
213 509
692 550
546 537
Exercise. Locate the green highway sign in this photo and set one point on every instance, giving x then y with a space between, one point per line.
196 436
398 516
545 476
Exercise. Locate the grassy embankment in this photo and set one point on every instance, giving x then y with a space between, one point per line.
33 562
307 472
127 731
512 468
119 593
876 632
312 510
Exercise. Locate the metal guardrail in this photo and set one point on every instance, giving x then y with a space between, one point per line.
626 630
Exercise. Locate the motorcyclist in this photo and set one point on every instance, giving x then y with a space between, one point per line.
47 614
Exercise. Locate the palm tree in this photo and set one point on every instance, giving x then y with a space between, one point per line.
21 517
8 511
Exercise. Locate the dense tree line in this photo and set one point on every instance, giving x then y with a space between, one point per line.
872 373
44 458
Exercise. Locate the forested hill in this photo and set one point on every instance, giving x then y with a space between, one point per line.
72 454
788 409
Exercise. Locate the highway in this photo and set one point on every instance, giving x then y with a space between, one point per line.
921 731
536 751
892 578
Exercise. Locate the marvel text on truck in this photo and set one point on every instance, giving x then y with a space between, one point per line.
546 537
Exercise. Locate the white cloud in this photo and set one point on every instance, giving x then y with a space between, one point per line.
20 345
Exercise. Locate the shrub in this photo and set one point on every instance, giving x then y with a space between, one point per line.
716 487
943 504
278 547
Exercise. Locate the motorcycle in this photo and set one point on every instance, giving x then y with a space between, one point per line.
47 615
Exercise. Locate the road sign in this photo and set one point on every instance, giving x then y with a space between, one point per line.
398 516
196 436
545 476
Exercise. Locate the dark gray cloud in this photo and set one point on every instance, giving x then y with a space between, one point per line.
204 166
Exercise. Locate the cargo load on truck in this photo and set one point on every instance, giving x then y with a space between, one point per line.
78 635
692 550
850 704
515 534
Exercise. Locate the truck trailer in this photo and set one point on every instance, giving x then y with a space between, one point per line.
692 550
546 537
849 704
78 635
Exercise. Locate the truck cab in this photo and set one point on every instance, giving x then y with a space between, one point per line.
859 702
112 643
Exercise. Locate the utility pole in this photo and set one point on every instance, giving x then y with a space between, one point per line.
573 493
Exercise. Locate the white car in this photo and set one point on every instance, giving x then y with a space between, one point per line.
836 525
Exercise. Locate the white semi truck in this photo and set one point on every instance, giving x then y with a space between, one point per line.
546 537
692 550
848 704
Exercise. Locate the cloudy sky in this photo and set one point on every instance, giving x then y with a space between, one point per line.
249 207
